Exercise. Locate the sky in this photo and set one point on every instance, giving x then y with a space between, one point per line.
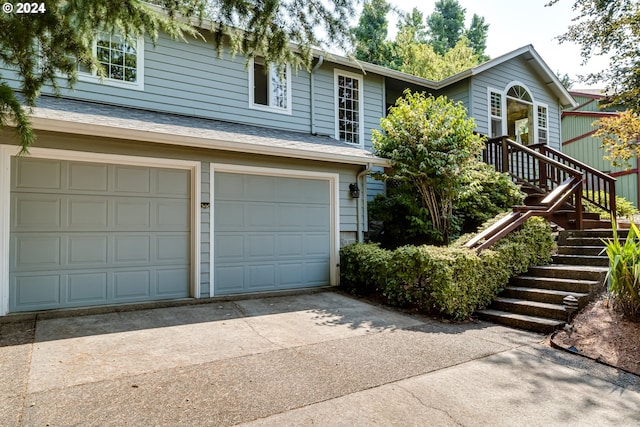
516 23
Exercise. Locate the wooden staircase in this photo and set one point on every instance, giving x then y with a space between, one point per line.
557 187
534 300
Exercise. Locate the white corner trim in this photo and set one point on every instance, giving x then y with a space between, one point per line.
8 151
334 194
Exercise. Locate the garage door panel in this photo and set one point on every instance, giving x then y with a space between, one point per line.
259 216
172 215
261 277
172 182
41 251
38 174
131 284
228 215
132 179
87 288
290 244
131 249
229 247
132 213
229 279
317 273
92 177
168 282
41 291
271 233
89 212
32 210
173 248
85 250
260 246
106 234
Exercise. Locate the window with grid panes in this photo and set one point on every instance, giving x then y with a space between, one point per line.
348 109
542 124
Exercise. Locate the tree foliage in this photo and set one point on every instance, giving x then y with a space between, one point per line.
477 36
370 35
429 141
446 25
610 28
620 137
41 47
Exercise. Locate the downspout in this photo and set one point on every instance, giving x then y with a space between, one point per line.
363 195
312 94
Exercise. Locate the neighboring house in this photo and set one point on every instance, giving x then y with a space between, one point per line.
188 175
579 142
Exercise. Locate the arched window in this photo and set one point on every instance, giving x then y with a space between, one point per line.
520 117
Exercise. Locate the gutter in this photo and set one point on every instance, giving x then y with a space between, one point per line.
312 94
363 195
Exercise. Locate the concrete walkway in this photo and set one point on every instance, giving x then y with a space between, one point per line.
317 359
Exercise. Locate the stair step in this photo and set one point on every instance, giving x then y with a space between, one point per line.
551 296
586 241
604 233
521 321
581 260
574 272
582 250
531 308
555 284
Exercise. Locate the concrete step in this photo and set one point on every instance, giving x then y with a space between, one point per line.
529 308
577 272
582 250
602 233
551 296
590 260
521 321
556 284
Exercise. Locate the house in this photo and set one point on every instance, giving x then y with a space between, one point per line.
188 175
580 143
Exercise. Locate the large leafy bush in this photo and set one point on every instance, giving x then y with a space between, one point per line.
624 272
454 280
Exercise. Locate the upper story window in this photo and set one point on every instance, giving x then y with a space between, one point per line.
120 59
349 116
543 121
495 108
269 86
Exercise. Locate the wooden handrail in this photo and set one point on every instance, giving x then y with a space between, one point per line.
595 180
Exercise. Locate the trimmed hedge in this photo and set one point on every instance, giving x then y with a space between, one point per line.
453 280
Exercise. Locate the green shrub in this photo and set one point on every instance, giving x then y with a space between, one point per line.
484 194
624 208
624 272
453 280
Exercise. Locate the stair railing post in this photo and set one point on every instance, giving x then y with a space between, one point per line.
543 169
612 199
579 225
505 154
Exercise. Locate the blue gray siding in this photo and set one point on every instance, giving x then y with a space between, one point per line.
502 75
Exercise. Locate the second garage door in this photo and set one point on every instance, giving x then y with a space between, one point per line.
270 233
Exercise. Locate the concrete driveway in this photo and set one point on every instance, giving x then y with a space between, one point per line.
313 359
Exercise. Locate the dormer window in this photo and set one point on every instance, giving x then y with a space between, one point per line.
269 86
120 59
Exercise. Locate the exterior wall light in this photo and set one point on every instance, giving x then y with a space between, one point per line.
354 191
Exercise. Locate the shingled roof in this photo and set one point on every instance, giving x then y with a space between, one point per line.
89 118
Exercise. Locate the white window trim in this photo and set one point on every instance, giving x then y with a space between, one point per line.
503 119
93 77
8 151
269 108
537 128
359 77
332 178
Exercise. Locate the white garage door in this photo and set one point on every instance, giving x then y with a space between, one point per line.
271 233
86 234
